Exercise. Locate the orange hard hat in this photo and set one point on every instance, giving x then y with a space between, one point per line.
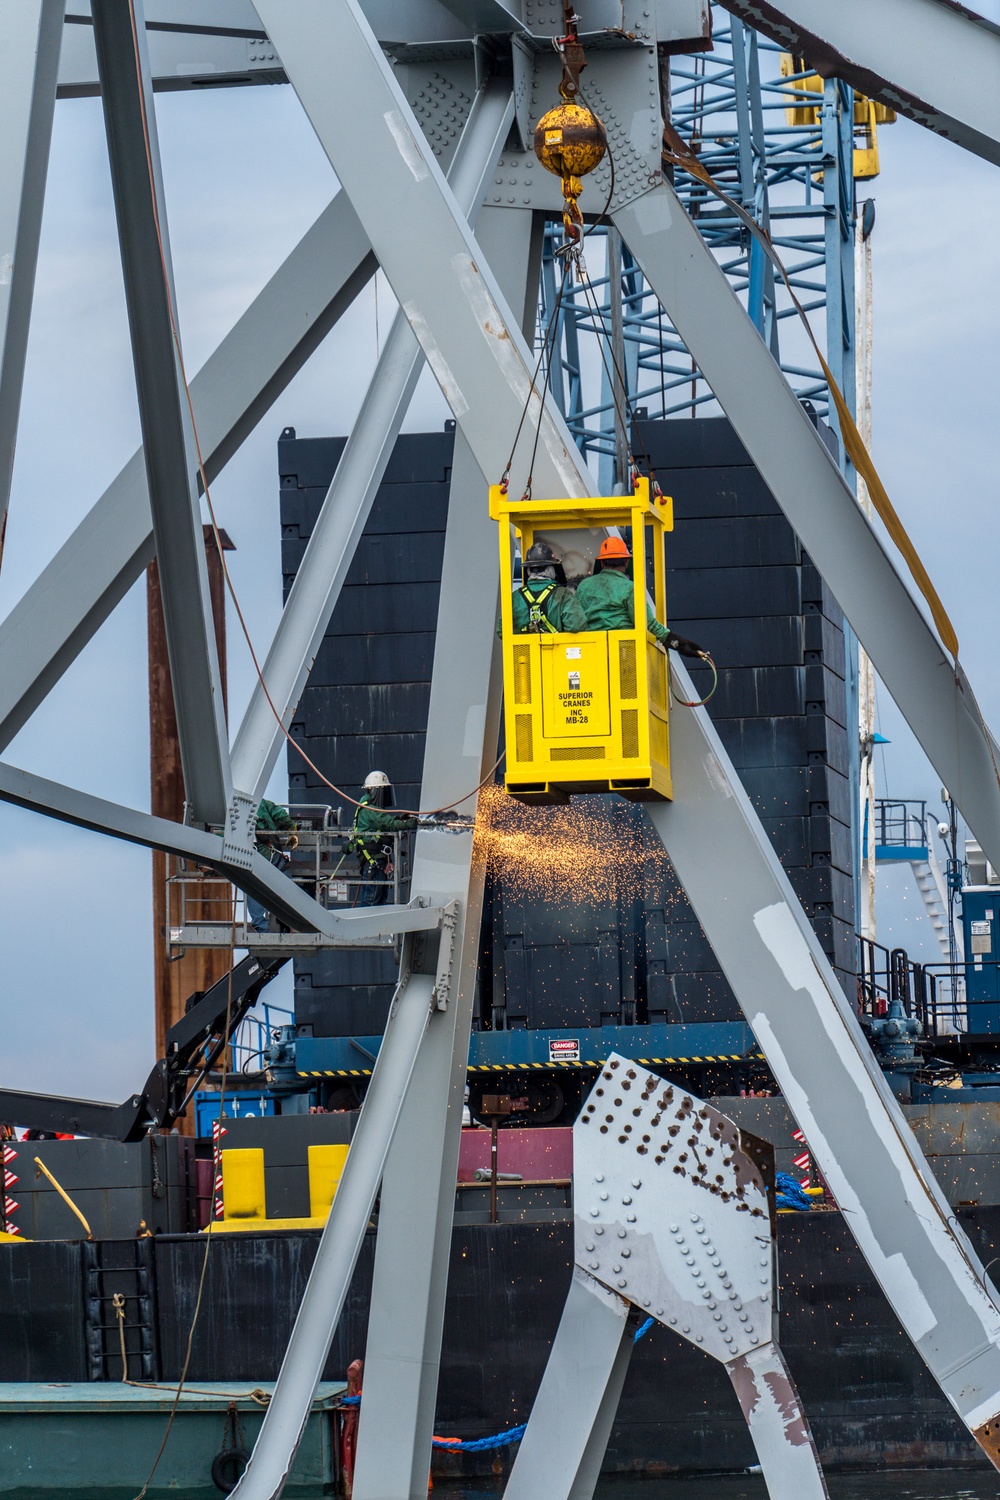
613 546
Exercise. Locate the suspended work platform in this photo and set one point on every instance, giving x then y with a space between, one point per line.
587 711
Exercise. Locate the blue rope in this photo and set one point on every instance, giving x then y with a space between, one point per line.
499 1439
480 1445
790 1194
474 1445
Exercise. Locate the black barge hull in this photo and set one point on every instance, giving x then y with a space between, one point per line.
869 1398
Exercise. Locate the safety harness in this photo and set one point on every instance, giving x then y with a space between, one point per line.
538 620
358 844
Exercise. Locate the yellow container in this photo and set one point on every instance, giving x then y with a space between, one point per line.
243 1185
326 1168
586 712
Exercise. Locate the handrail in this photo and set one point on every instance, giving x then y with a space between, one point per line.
319 859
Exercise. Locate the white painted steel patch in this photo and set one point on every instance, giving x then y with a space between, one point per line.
671 1213
408 148
652 212
450 388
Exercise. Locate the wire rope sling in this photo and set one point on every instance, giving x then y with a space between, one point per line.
586 676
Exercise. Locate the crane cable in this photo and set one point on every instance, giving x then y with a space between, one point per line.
621 403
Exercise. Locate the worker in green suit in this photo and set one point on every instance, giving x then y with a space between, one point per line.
275 837
372 823
543 605
607 599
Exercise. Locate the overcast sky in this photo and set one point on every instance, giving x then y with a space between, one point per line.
244 179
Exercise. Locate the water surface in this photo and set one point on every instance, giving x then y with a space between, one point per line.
928 1484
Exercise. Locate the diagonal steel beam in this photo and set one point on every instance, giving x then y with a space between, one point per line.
94 569
577 1401
169 443
352 491
403 1352
30 37
330 1277
933 60
253 874
745 903
424 244
410 1281
809 1033
936 700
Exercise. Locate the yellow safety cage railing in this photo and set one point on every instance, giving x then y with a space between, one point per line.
586 712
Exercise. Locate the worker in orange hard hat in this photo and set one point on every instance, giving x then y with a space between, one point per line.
606 598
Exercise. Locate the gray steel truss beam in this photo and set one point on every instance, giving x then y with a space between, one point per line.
422 240
411 1259
30 34
252 873
167 431
936 700
826 1071
221 43
927 1267
330 1278
182 54
418 1196
592 1460
770 1403
196 17
933 60
94 569
577 1400
348 502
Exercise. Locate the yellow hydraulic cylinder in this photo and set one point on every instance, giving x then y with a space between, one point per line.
586 712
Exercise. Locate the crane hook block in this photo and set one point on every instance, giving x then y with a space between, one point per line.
570 141
584 710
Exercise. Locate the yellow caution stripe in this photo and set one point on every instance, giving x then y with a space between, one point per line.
523 1067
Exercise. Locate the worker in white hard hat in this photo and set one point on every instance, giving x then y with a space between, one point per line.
372 822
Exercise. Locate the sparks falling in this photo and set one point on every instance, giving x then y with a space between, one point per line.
594 850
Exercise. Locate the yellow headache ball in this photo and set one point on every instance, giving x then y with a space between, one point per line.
570 140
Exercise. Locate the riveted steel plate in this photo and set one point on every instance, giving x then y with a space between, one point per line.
671 1213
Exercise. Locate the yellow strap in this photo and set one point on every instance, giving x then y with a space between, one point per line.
63 1195
535 601
677 151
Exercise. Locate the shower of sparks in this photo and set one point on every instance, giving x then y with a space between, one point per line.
595 850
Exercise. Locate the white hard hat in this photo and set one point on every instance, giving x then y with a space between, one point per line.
374 779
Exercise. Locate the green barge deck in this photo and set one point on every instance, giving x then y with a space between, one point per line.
98 1440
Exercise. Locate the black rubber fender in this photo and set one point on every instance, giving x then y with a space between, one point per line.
227 1468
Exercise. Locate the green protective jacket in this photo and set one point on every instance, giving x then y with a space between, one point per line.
271 818
372 821
606 599
561 608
